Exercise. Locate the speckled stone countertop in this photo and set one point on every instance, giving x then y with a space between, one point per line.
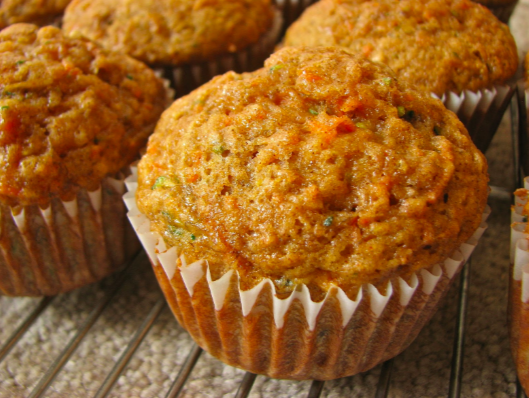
421 371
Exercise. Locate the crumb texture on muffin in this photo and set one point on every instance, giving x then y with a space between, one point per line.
40 12
170 31
70 113
437 45
321 168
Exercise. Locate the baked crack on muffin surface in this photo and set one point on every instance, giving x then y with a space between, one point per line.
321 168
436 45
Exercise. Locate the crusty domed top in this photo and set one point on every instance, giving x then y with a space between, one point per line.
436 45
321 168
70 113
174 32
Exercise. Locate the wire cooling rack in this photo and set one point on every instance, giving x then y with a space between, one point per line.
133 301
113 290
64 347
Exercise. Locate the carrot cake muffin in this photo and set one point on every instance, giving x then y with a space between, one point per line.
296 190
170 31
72 114
320 168
436 45
40 12
519 288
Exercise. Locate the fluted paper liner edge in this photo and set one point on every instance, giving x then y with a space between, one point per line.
257 331
44 252
503 13
480 111
67 245
292 9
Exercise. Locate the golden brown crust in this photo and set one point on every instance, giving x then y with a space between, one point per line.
436 45
170 31
39 12
320 168
71 113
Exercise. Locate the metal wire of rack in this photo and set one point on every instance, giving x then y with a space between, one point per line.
195 352
114 286
178 384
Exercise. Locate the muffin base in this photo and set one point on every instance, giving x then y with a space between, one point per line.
256 331
68 245
186 78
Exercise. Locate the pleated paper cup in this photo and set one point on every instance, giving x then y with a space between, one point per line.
186 78
519 288
67 245
292 9
502 12
481 112
295 337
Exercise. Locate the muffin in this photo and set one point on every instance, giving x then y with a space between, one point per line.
445 47
40 12
214 36
310 197
503 9
519 287
73 116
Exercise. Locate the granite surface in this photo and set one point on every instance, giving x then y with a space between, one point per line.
421 371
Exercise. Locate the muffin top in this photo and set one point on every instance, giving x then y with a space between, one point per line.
436 45
321 168
174 32
70 113
40 12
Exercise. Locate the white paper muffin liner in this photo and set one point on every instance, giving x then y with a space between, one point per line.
67 245
295 337
186 78
481 111
44 252
519 280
